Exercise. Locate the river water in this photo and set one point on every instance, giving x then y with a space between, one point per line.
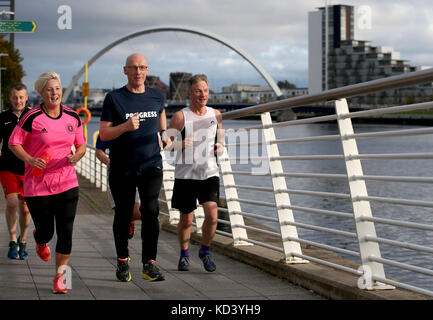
421 168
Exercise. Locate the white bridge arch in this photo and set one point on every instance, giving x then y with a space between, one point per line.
206 34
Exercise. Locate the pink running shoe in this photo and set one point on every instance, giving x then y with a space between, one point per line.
59 284
43 250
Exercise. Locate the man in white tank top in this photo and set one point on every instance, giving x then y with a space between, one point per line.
199 138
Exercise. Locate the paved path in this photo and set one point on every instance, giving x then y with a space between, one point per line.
93 269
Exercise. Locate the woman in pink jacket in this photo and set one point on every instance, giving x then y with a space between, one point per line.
43 139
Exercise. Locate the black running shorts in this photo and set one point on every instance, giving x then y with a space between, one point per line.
187 191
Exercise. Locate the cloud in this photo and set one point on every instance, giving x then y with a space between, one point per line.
226 62
402 25
274 32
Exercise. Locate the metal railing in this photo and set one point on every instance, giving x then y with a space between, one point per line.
93 169
270 212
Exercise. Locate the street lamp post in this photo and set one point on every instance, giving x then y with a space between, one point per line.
1 99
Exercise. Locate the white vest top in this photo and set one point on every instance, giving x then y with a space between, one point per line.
198 162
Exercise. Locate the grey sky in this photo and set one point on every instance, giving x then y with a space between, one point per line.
274 32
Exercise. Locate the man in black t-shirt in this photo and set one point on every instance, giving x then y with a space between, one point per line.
131 118
12 175
101 147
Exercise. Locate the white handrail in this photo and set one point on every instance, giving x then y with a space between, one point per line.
262 207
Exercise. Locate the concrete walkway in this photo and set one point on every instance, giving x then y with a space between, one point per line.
93 262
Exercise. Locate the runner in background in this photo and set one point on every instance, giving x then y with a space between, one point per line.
12 175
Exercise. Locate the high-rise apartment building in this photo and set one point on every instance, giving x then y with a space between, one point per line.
336 59
322 40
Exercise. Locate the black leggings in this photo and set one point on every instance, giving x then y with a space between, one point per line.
123 191
59 208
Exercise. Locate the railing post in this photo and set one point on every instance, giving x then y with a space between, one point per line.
233 206
82 166
104 177
79 164
199 218
167 185
87 165
92 155
282 198
98 173
361 208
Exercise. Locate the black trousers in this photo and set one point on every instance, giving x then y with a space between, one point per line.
58 209
123 191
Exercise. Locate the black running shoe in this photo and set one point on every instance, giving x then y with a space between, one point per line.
122 272
208 264
183 264
22 252
13 250
152 273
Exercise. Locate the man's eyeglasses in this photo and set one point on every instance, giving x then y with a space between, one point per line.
135 68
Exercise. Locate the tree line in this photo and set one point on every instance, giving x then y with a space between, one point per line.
13 71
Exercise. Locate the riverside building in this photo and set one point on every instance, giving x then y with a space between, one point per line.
336 59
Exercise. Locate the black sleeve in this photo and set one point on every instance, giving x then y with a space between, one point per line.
2 128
